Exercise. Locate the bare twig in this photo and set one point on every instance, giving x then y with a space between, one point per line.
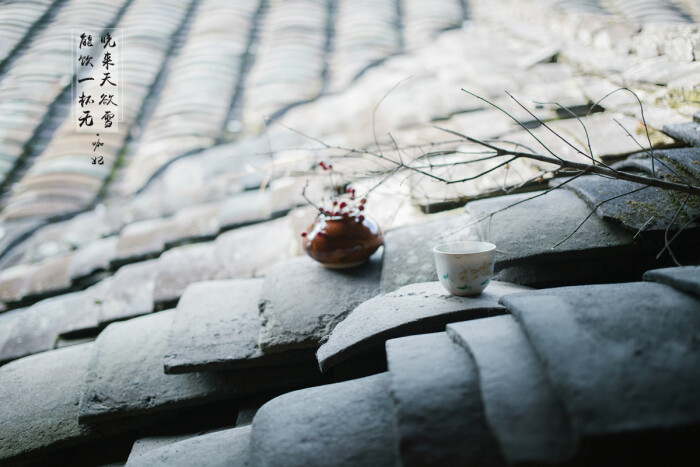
595 169
641 229
593 210
644 122
667 243
666 166
573 114
374 112
515 120
512 205
567 142
303 194
430 163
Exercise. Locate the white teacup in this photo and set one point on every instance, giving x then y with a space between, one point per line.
465 268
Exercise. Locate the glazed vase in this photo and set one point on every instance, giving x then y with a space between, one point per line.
342 242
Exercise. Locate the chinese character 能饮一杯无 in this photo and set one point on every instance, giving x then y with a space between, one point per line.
85 119
84 100
85 40
85 60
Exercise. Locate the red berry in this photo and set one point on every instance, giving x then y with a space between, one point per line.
360 218
321 233
343 204
330 166
328 213
321 210
361 207
363 200
303 234
335 203
346 215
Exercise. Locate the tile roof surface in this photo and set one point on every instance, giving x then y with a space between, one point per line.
157 309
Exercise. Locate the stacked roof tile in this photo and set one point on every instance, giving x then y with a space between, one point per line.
158 309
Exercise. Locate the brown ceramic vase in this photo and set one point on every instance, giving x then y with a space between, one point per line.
342 242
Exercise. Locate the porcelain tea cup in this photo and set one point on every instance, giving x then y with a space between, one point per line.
464 268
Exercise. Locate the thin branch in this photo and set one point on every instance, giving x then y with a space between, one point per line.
667 246
593 210
491 214
374 112
668 227
452 164
666 166
644 121
462 180
641 229
555 133
595 169
495 151
396 146
573 114
515 120
303 194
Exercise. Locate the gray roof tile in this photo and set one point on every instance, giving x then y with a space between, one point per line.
14 231
685 159
181 266
526 233
686 279
133 351
51 276
244 208
38 327
93 257
143 239
225 447
415 308
45 390
640 208
435 386
92 225
322 298
14 282
645 209
144 445
128 293
216 327
343 424
252 250
613 341
195 222
523 410
688 132
8 320
47 241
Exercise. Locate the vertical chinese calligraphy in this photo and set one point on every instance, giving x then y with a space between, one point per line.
97 60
